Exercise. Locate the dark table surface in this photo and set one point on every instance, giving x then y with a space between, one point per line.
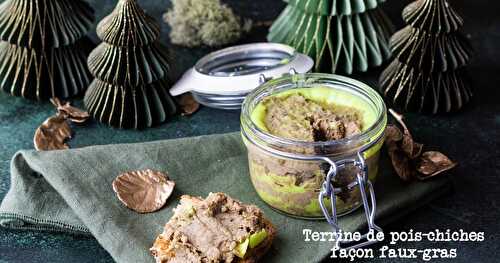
469 137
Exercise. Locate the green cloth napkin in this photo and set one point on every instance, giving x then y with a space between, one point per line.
70 191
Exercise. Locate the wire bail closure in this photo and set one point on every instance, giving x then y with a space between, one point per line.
369 204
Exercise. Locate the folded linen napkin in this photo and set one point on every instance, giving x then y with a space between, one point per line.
71 191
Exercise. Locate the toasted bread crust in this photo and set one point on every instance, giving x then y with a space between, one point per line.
160 246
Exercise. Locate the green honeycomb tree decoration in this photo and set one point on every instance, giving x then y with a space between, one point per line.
342 36
130 66
43 48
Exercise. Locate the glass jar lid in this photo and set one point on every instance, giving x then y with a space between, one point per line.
223 78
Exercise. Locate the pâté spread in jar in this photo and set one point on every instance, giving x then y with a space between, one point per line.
300 129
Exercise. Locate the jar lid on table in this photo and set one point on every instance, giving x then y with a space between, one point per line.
222 79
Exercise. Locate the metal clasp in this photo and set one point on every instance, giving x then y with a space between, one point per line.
369 204
263 79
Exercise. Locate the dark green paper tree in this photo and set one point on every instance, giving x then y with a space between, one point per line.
130 66
340 35
43 48
426 75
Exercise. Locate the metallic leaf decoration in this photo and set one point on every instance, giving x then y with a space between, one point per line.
188 104
53 134
433 163
131 68
430 54
69 112
143 191
355 38
43 48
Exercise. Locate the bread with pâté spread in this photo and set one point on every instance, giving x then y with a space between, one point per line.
215 229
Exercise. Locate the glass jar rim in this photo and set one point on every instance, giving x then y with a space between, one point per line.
240 54
369 135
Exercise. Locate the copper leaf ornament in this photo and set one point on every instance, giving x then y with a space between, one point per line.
52 134
340 35
402 164
433 163
406 155
393 134
73 114
188 104
411 148
143 191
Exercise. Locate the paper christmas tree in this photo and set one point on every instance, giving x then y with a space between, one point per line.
130 67
43 48
430 51
340 35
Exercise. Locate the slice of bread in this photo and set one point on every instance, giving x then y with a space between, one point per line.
210 229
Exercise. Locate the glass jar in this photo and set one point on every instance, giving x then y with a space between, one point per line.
299 178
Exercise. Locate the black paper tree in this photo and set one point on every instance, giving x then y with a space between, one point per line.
430 51
130 66
340 35
43 48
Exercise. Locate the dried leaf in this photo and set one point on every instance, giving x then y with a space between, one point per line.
411 148
401 163
433 163
406 154
393 134
399 159
74 114
399 117
143 191
52 134
188 104
56 102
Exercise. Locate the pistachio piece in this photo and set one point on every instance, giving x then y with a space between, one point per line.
190 212
257 238
242 248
